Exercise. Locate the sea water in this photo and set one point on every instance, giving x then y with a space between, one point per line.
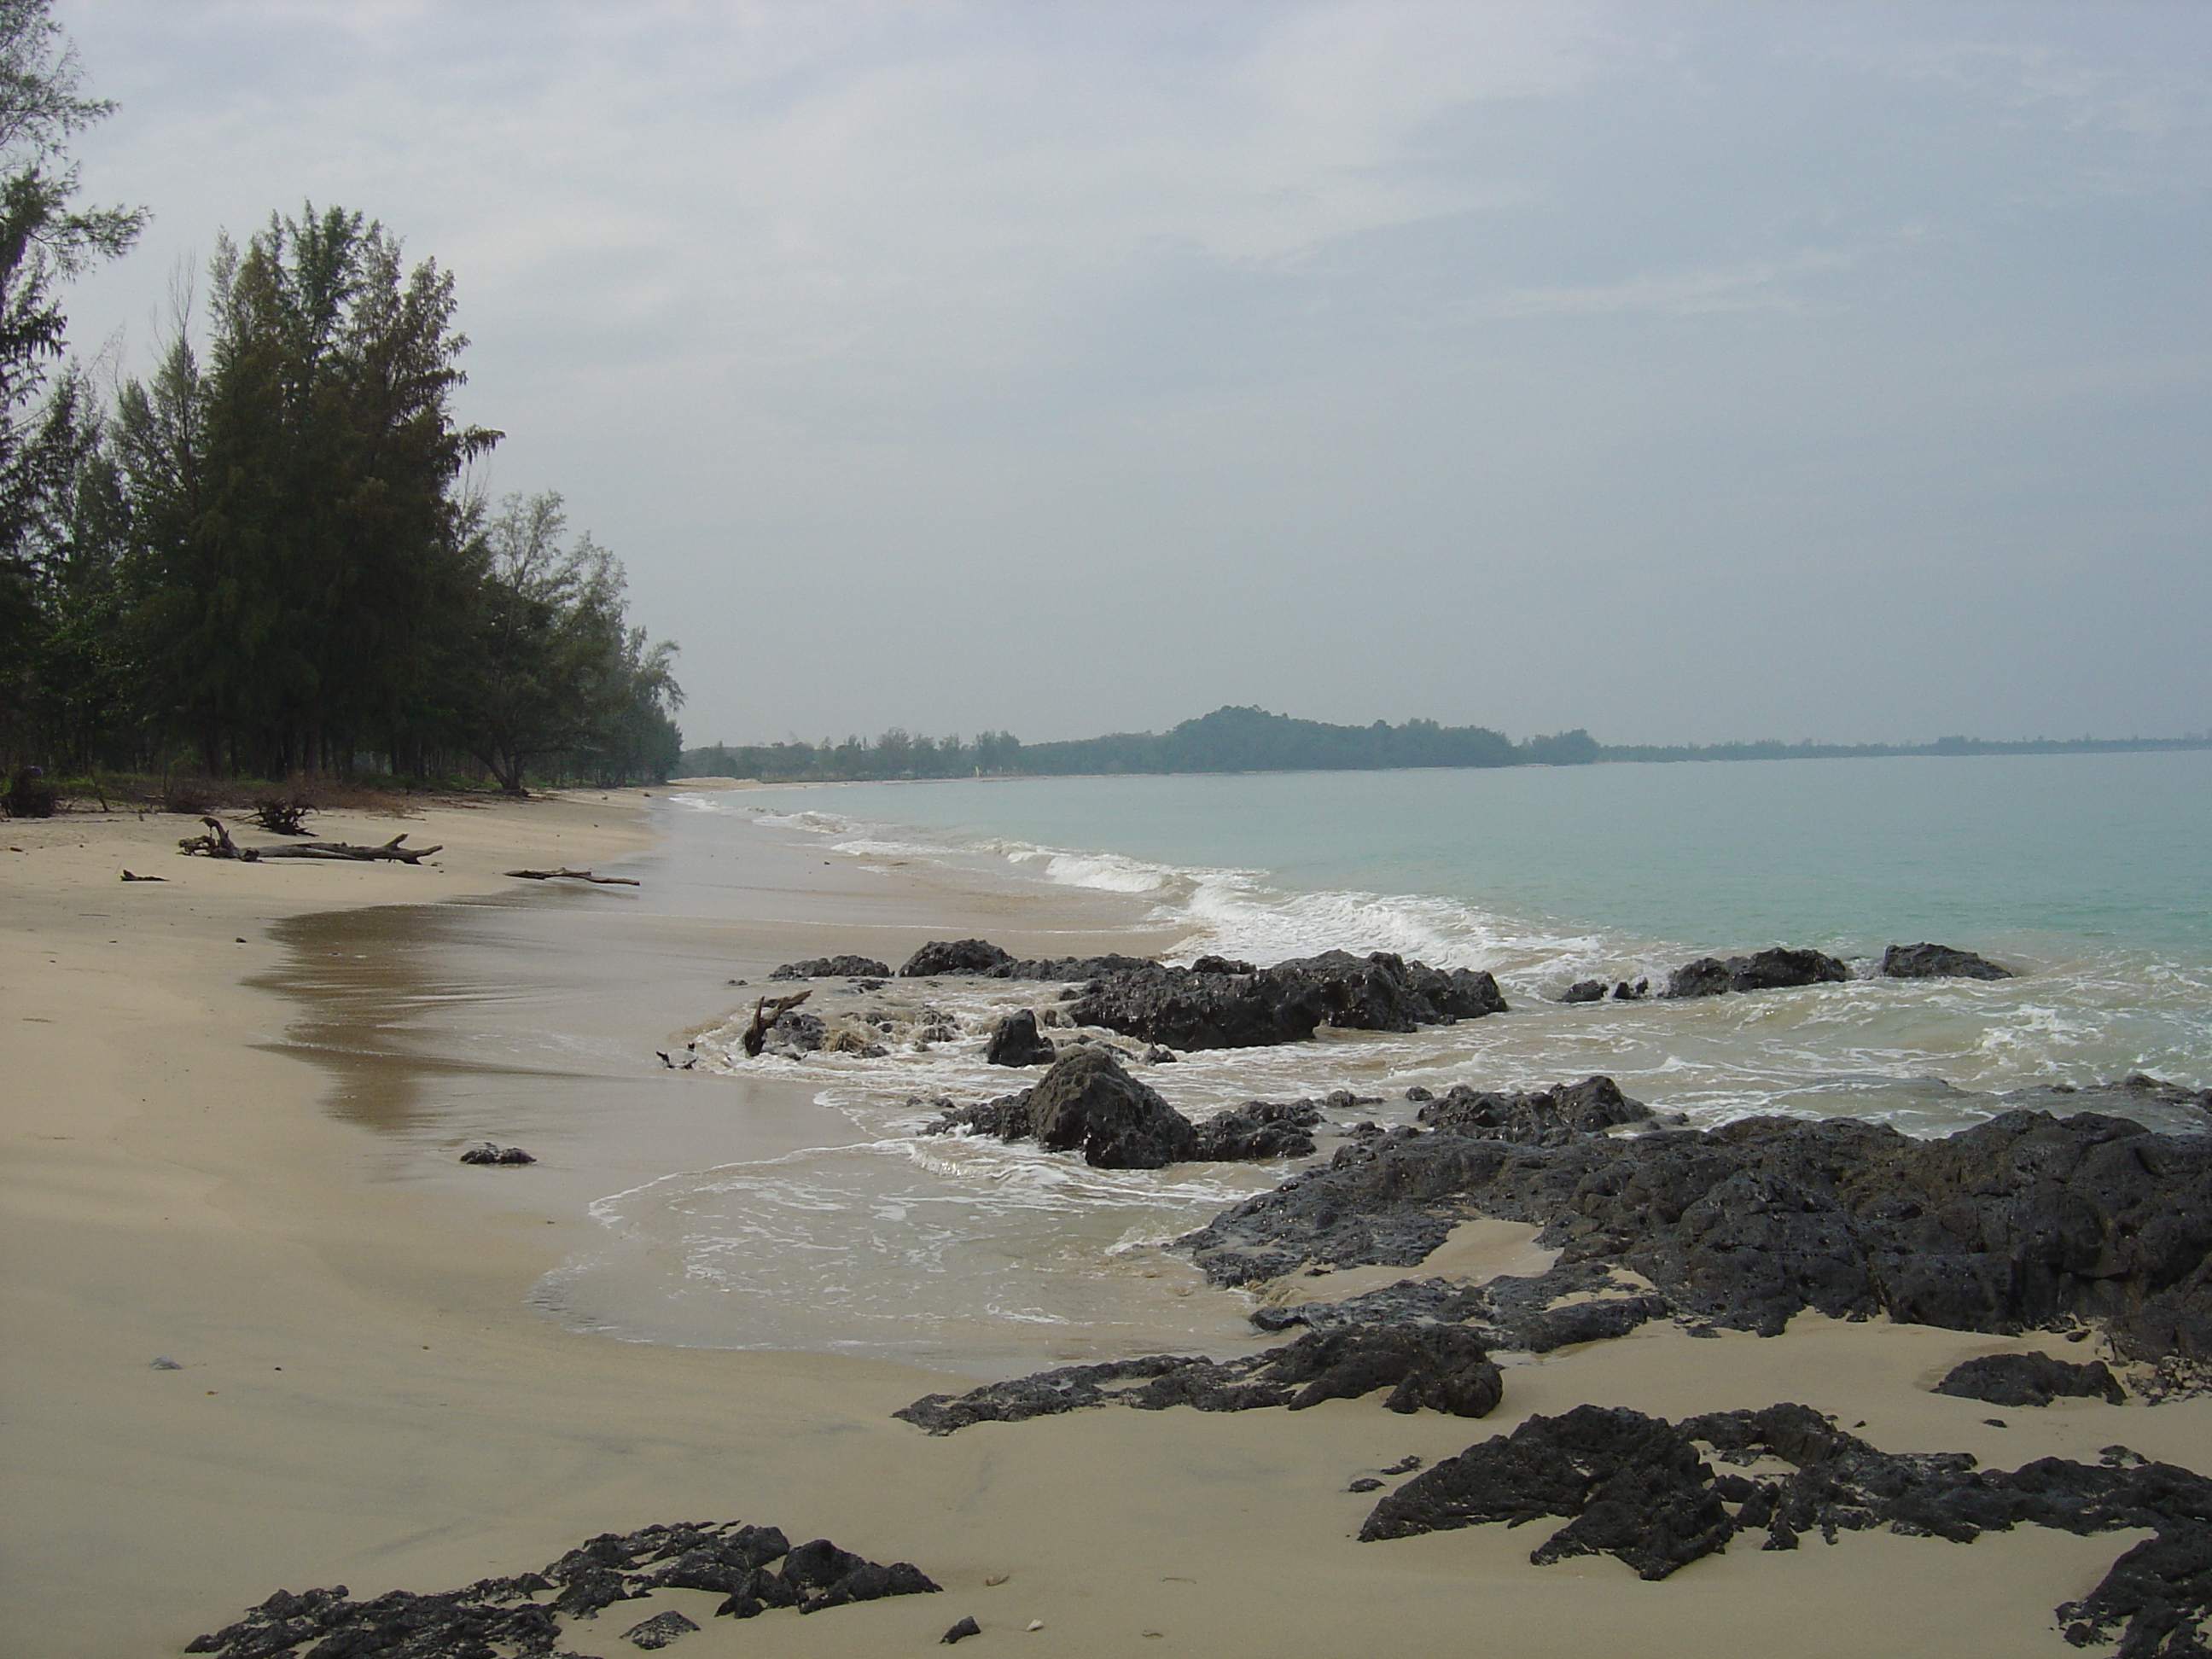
2090 876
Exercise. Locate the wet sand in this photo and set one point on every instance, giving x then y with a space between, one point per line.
210 1159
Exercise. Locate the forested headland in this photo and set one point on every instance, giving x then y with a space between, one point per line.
266 557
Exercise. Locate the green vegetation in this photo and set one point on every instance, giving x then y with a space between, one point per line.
1228 740
264 559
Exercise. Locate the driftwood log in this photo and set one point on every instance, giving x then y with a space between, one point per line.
217 844
575 875
766 1013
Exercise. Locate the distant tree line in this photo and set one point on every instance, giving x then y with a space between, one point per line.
1228 740
264 558
1808 749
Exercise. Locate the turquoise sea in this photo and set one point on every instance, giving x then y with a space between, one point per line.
2091 876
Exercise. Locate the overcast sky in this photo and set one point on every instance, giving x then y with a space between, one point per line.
1685 372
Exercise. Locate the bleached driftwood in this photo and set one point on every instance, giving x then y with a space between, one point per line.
217 844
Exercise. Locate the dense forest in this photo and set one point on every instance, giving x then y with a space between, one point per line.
266 557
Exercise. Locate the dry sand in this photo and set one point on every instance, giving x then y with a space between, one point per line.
366 1398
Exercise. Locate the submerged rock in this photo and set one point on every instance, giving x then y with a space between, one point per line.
1439 1368
1640 1489
2020 1222
1765 970
1938 961
833 968
485 1152
2030 1379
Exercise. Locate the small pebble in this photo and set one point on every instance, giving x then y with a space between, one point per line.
1365 1483
961 1630
1036 1623
163 1364
1997 1422
996 1579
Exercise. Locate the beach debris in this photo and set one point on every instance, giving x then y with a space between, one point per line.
728 1558
132 876
1365 1483
658 1631
679 1059
2030 1379
1015 1040
163 1363
961 1631
767 1012
1640 1489
575 875
281 815
994 1580
1442 1368
217 844
1033 1625
1779 969
831 967
1995 1228
1926 961
1087 1103
1405 1465
485 1152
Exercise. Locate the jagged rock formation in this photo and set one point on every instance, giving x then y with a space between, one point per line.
1765 970
1547 1117
1638 1488
727 1557
1087 1103
833 968
2030 1379
1925 961
2026 1221
979 958
1509 1314
1440 1367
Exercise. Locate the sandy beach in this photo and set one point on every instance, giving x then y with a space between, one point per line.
364 1396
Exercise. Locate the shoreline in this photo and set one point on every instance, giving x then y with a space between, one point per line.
365 1397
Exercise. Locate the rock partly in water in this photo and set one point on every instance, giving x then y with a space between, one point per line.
1938 961
1584 990
833 968
1766 971
1206 1007
1547 1117
1439 1368
2025 1221
1623 992
485 1152
1016 1040
1640 1489
2030 1379
502 1615
1087 1103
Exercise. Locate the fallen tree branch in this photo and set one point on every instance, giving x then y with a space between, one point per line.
575 875
766 1013
217 844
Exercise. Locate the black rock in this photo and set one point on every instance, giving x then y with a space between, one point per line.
485 1153
1623 992
961 1631
1260 1128
1015 1040
1509 1312
1206 1007
1938 961
1638 1488
658 1631
1439 1367
966 955
1547 1117
833 968
1766 971
1365 1483
1584 990
2030 1379
2023 1221
1087 1103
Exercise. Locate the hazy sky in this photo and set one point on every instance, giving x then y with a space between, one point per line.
1678 371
